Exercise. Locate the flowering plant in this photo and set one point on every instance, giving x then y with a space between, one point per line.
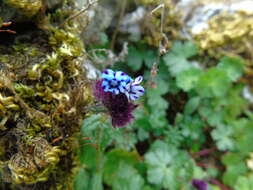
117 90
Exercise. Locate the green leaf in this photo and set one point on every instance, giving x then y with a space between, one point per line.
146 187
213 172
206 110
222 136
155 99
176 64
142 124
176 60
81 181
119 171
123 138
232 66
191 127
187 79
88 181
97 182
213 83
233 104
150 57
192 105
243 135
244 183
127 178
174 136
158 158
157 105
86 154
158 170
134 58
90 123
162 88
113 161
187 49
199 173
235 167
142 134
157 119
165 164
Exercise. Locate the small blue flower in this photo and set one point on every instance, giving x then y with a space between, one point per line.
134 90
116 90
115 82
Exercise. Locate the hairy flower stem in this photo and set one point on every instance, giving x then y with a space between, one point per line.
99 153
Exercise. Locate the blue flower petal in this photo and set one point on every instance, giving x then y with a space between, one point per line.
110 90
119 82
138 80
127 95
134 90
115 91
121 88
119 75
123 83
108 74
128 80
105 85
133 97
138 90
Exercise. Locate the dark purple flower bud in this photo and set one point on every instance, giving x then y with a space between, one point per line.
118 106
199 184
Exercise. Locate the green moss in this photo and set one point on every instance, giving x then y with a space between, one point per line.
43 91
26 7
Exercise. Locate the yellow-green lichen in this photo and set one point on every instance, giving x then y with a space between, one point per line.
228 34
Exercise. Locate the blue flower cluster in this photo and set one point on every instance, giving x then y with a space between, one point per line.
119 82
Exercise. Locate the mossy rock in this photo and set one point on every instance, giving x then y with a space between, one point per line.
26 10
43 94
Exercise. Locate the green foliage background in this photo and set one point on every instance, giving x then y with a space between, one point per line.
194 124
